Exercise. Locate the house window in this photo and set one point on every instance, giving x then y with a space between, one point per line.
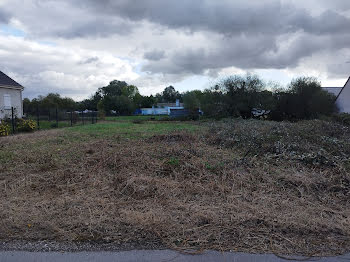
7 102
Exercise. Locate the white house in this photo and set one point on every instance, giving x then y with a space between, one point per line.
162 108
10 96
343 96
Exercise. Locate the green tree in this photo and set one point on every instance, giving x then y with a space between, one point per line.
144 101
241 93
27 105
309 100
304 99
169 95
118 96
101 110
192 100
213 103
115 88
124 105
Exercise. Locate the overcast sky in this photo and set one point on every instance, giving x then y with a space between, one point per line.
72 47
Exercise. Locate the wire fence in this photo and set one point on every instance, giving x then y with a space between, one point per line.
52 118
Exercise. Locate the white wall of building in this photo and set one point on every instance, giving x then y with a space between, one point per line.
343 101
10 98
154 111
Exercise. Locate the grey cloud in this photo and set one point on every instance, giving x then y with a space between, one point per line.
4 16
89 60
258 53
340 5
226 17
235 51
339 70
154 55
329 22
251 32
59 18
95 28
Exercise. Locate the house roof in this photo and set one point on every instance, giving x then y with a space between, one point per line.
6 81
343 87
169 104
336 90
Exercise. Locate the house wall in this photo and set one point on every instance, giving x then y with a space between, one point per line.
154 111
16 102
164 110
343 101
174 108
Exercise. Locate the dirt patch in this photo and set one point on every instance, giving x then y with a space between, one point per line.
179 190
30 137
174 137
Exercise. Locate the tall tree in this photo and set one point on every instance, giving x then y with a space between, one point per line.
241 93
169 95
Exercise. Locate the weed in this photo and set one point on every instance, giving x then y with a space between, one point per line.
138 121
174 162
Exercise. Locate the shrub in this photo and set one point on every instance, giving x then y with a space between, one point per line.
304 99
26 125
343 118
163 118
75 118
4 129
101 115
101 111
138 121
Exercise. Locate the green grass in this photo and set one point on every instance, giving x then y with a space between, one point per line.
44 124
132 130
6 156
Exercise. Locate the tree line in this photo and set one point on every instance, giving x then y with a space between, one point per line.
234 96
118 97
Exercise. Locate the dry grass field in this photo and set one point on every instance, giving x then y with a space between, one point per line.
254 186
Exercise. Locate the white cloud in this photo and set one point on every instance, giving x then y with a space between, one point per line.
42 68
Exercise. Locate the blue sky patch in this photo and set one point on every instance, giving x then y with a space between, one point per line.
12 31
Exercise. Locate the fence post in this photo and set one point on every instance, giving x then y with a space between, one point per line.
56 117
92 117
82 116
96 116
71 118
38 117
13 121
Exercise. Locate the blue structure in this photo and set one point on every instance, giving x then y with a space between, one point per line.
138 112
178 112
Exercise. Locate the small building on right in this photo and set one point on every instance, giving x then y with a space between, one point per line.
343 96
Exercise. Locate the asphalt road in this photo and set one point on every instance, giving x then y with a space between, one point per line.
147 255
